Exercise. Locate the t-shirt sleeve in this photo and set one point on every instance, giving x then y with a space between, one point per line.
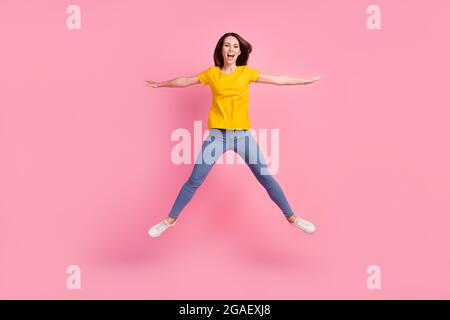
204 77
254 74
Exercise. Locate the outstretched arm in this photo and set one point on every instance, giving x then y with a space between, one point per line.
180 82
284 80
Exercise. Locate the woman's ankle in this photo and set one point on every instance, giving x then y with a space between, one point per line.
291 218
170 220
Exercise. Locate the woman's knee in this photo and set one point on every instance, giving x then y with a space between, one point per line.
267 180
195 180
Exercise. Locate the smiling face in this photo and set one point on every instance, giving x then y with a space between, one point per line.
230 50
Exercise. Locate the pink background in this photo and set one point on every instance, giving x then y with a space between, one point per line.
85 151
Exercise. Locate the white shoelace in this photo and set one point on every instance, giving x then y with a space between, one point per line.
304 222
162 225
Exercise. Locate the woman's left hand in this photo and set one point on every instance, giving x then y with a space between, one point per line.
314 79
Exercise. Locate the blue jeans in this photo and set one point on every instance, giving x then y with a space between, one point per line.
218 142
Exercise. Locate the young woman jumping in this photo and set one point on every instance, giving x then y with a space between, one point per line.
229 125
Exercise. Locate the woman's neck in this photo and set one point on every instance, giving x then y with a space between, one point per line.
229 67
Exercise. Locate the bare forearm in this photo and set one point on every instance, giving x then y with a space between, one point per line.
286 80
174 83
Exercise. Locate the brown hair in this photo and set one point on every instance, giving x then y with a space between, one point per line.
244 46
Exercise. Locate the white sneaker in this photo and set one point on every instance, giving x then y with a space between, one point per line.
304 225
159 228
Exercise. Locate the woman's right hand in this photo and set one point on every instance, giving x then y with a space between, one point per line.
152 84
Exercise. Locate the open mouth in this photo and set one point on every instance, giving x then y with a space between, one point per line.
230 56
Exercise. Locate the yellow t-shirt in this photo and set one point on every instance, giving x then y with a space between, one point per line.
229 106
